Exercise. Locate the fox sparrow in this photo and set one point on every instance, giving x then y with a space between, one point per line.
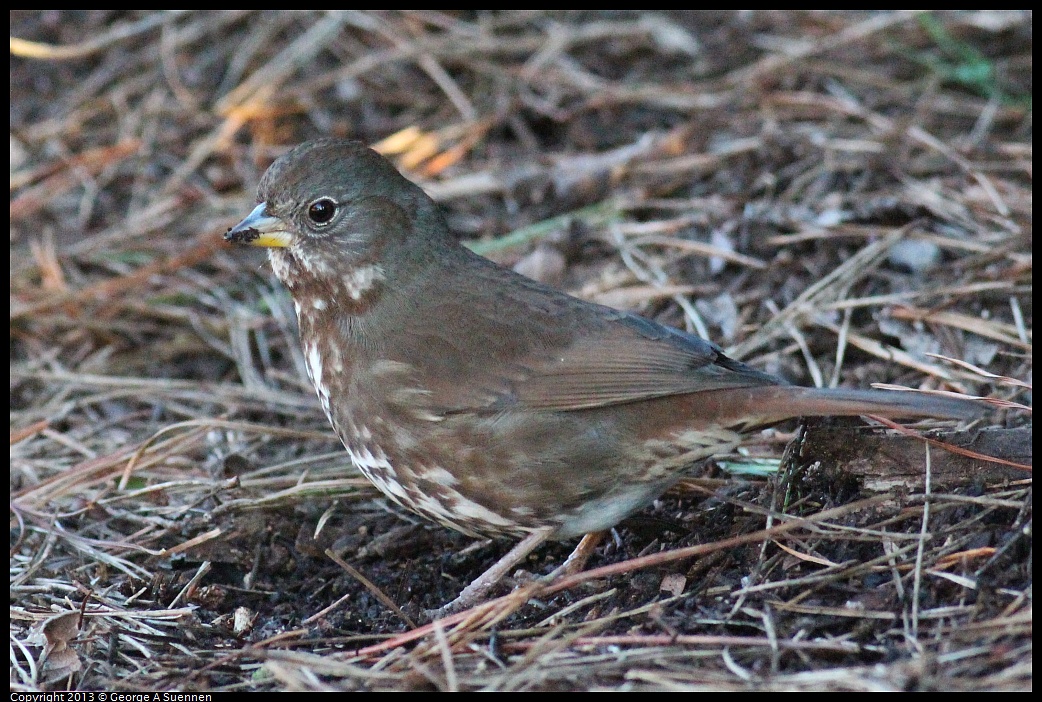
486 401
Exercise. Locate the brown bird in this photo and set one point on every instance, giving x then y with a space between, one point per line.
486 401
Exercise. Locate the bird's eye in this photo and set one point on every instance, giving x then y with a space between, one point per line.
321 211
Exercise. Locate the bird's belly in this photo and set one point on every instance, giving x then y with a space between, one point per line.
419 485
424 486
429 491
501 475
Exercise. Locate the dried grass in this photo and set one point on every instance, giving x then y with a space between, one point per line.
832 195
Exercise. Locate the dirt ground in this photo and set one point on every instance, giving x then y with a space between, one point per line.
834 197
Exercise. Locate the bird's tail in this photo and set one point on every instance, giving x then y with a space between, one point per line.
764 405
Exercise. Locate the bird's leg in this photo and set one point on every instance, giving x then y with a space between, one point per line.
476 591
577 560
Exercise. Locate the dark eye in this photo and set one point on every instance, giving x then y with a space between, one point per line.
321 211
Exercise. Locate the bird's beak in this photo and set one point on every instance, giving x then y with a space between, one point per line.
260 229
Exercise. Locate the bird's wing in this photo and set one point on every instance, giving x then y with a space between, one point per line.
548 351
629 359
